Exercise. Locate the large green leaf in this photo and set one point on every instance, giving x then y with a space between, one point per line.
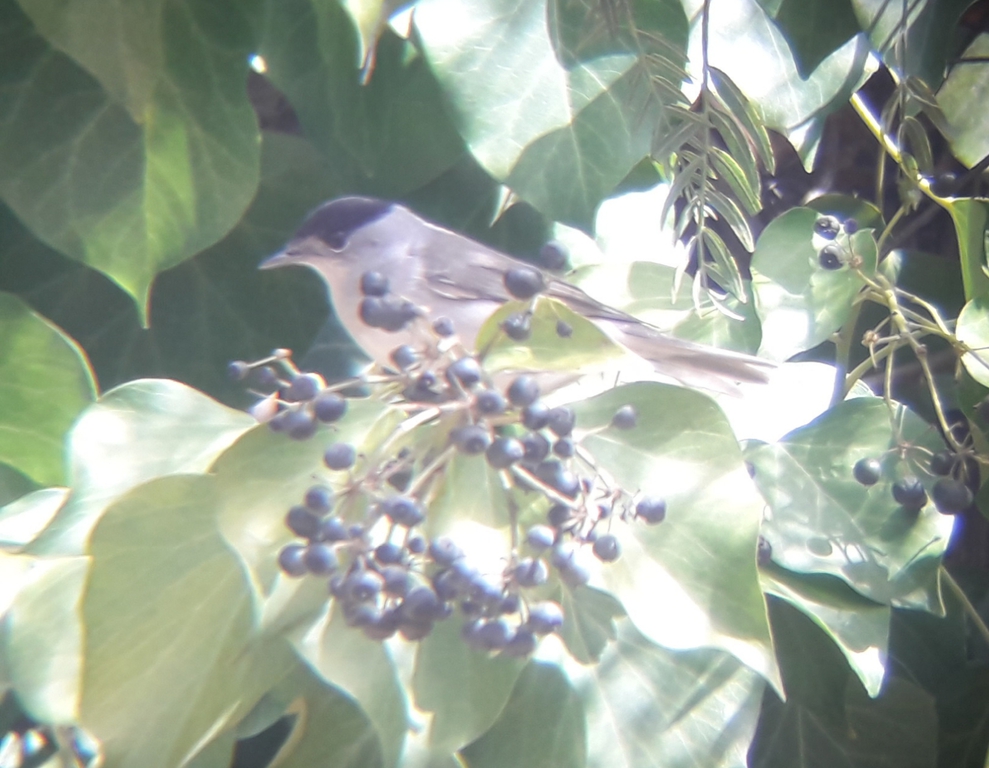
690 581
392 135
43 635
858 626
149 147
546 102
464 689
264 473
45 383
970 217
800 303
541 726
966 85
363 669
647 706
815 29
22 520
170 656
824 521
746 44
134 433
828 720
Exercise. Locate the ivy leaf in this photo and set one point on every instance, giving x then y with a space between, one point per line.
464 689
973 331
154 632
163 159
542 724
824 521
311 53
799 302
362 668
966 85
22 520
134 433
560 133
647 706
588 622
45 383
970 217
691 580
859 627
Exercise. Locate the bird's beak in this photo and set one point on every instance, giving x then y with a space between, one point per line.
279 259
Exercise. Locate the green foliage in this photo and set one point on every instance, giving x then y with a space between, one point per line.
768 606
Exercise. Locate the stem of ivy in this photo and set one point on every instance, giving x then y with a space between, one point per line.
966 603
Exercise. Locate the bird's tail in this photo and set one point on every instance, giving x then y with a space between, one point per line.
692 364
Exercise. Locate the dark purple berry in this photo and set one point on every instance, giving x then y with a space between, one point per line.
545 617
559 478
388 553
444 551
404 357
942 463
830 257
373 284
320 559
504 452
300 424
403 510
541 537
536 448
564 448
443 326
951 496
340 456
607 549
561 421
531 573
517 326
563 329
867 471
290 560
319 500
397 580
363 585
420 605
851 226
400 479
554 255
827 227
416 545
302 522
523 391
238 370
329 407
495 634
472 440
389 313
651 509
535 416
558 515
490 402
521 645
466 371
332 529
909 493
625 417
305 386
764 552
523 282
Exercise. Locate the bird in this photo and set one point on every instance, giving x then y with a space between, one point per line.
435 273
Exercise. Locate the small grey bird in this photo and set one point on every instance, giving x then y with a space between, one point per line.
440 273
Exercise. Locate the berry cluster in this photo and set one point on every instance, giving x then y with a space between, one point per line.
950 495
366 538
833 255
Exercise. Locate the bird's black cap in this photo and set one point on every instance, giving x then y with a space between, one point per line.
334 222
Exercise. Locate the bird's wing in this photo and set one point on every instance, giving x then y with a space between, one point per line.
478 274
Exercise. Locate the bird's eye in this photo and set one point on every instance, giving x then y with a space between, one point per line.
337 240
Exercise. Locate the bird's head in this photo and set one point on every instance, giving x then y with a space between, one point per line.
336 235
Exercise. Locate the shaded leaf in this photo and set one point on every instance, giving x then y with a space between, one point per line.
465 689
144 161
45 383
815 29
973 331
824 521
312 54
134 433
154 633
22 520
799 302
970 217
363 669
647 706
859 627
541 726
588 622
731 172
